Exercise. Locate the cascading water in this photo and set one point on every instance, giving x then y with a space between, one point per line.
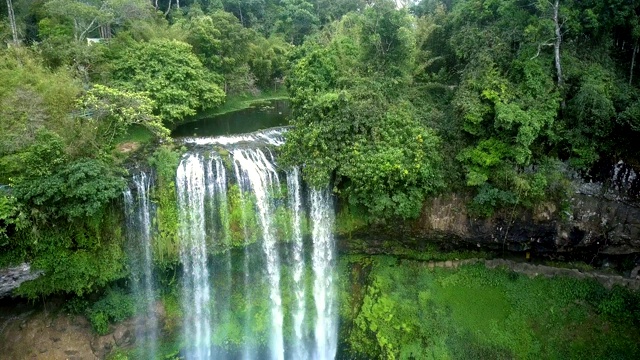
295 204
326 327
196 297
254 168
242 249
138 213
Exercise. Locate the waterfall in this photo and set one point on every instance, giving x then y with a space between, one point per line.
255 170
138 214
295 205
263 300
190 183
326 327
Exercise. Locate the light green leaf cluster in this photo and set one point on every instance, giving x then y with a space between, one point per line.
114 111
171 75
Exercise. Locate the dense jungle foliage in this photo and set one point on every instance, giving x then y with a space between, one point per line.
391 102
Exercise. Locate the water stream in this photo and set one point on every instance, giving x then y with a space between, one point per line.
253 245
138 212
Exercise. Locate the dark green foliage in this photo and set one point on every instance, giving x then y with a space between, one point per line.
351 125
219 41
78 189
296 19
78 257
115 306
386 39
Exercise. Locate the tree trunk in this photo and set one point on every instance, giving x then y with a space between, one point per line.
12 21
168 9
633 62
178 4
556 45
240 10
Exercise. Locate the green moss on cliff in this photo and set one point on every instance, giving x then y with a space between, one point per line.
410 311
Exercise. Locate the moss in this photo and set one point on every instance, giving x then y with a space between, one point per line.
349 220
80 258
241 102
410 311
166 247
243 221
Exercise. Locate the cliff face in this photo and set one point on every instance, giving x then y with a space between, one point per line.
12 277
599 223
47 332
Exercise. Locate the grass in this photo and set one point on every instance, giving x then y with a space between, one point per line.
129 143
136 133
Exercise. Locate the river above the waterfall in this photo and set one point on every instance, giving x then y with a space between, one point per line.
260 116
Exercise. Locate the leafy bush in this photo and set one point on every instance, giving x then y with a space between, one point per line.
77 189
179 84
115 306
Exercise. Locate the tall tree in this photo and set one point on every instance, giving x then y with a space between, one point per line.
172 76
12 22
558 42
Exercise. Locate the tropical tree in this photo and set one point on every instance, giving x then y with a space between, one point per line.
171 75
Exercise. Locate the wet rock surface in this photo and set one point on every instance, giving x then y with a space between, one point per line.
599 223
12 277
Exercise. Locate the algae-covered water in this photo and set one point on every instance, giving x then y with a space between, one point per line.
258 117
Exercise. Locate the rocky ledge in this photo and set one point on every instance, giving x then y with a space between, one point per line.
47 332
11 278
599 223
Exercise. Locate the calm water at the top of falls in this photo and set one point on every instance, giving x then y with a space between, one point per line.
238 122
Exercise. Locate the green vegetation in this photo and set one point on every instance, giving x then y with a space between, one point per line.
135 134
500 99
179 84
400 309
115 306
352 124
73 109
405 310
166 250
